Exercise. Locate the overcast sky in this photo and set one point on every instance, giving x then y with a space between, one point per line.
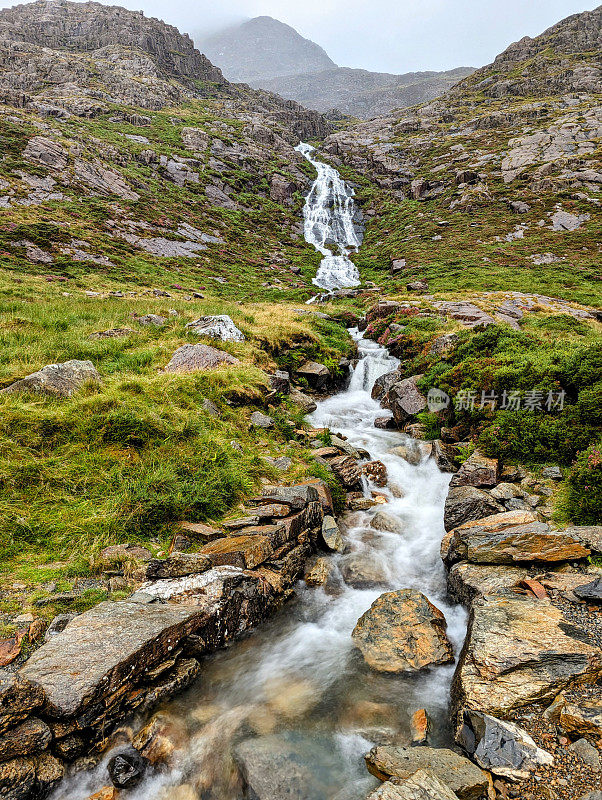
383 35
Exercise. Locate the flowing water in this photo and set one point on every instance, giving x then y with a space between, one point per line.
297 692
329 224
298 684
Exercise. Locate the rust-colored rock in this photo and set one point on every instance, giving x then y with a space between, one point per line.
245 552
419 726
513 537
403 632
518 651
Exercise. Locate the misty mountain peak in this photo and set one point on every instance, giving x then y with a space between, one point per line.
263 48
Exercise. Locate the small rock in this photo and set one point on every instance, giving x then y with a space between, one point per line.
259 420
151 320
127 769
217 327
198 357
57 379
419 727
58 625
302 400
376 472
177 565
331 535
417 286
552 473
586 752
591 592
363 571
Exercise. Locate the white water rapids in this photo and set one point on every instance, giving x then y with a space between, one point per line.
297 684
328 213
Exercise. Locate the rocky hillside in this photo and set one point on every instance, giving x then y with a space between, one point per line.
363 94
263 48
495 184
267 54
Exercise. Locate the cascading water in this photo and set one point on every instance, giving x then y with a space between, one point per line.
296 695
329 221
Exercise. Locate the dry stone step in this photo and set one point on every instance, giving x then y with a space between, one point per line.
29 738
245 552
467 581
178 565
18 699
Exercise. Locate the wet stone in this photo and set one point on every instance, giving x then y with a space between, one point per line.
127 769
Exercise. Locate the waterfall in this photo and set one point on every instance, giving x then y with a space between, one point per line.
328 214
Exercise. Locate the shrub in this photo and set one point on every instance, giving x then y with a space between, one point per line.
584 501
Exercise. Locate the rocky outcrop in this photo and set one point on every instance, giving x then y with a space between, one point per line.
217 327
402 632
541 655
85 27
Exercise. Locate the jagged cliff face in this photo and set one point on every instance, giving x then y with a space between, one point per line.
264 48
88 27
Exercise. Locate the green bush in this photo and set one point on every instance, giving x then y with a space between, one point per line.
584 501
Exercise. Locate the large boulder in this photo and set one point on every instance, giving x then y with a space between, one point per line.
464 778
405 400
198 358
589 535
245 552
403 632
276 768
513 537
57 379
465 503
467 313
477 470
217 327
520 651
383 383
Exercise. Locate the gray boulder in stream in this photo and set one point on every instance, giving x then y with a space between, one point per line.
278 768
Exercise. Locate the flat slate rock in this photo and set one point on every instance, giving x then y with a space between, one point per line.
464 778
519 651
423 785
513 537
99 649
